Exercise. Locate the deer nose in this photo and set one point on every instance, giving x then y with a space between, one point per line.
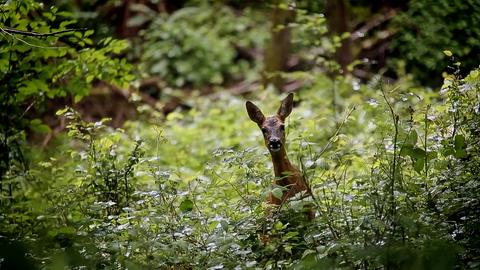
274 144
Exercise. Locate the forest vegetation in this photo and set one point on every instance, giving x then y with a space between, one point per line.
125 142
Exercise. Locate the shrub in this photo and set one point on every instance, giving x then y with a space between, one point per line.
196 46
38 67
392 181
423 35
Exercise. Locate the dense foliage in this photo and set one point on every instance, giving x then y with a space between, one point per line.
41 58
428 27
393 167
178 46
394 183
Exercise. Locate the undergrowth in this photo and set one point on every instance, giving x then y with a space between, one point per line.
393 169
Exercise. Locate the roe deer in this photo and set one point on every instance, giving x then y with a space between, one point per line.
273 128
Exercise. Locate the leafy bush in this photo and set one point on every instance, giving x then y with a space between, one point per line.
393 169
457 200
196 46
310 40
393 181
41 58
423 34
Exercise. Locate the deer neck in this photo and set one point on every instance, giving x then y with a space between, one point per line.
281 164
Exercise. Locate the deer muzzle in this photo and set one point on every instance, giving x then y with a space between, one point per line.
274 144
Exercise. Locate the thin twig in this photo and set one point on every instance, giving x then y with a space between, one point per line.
395 118
374 22
425 142
26 42
28 108
14 37
36 34
336 132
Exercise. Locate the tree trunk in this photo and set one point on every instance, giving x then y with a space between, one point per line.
337 20
278 49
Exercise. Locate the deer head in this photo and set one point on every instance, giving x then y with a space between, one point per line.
273 127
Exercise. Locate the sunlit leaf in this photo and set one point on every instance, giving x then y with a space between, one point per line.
448 53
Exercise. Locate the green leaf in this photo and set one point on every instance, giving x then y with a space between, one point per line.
448 150
412 138
88 41
460 153
419 164
88 33
89 78
35 121
64 24
448 53
77 98
32 87
459 142
431 155
213 225
105 143
418 153
278 226
186 205
137 20
406 150
460 146
473 74
289 235
62 111
277 192
37 126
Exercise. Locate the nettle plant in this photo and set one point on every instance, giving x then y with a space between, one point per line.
90 203
394 183
119 206
106 175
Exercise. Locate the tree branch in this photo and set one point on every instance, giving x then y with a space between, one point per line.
36 34
374 22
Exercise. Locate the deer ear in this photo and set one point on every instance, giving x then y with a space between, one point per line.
255 113
286 107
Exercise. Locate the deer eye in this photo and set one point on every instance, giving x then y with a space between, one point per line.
264 130
282 127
